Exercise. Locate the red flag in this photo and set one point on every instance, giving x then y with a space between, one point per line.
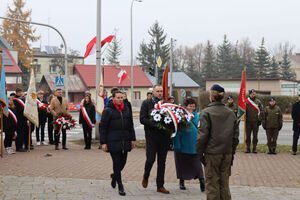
91 46
165 83
122 76
242 97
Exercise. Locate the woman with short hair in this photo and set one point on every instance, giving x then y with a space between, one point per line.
187 161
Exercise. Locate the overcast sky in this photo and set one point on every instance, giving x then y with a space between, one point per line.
189 22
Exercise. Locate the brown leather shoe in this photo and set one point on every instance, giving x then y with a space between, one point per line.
163 190
56 147
65 148
145 183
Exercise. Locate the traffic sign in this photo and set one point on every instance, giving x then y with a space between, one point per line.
159 61
59 82
182 92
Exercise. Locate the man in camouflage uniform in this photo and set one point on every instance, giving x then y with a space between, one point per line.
253 120
231 105
272 123
217 141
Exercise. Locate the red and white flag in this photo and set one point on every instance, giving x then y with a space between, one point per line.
91 46
122 75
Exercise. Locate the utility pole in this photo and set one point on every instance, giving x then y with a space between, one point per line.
98 58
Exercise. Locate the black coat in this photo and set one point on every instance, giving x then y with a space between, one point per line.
128 104
116 128
22 120
149 126
296 116
9 125
90 109
42 113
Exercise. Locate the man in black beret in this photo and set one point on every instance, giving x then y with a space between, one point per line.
218 137
253 120
231 105
272 123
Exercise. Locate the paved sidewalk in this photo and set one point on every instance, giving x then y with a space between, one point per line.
281 170
42 188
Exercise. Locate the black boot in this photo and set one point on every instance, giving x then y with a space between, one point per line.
202 184
181 185
274 151
121 190
248 150
270 151
254 150
113 181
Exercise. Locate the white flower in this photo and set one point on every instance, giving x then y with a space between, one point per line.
153 112
178 118
157 117
64 127
163 110
167 120
188 117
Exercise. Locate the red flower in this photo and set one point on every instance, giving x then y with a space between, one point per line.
59 116
64 114
70 117
73 121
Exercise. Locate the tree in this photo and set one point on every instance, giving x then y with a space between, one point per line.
236 64
19 35
208 69
148 53
114 51
224 59
247 54
58 61
262 60
274 73
286 66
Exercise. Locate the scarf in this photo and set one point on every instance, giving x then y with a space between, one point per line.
119 107
60 99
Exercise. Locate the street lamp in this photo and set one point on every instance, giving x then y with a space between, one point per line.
131 53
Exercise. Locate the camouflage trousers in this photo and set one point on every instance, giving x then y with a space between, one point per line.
217 172
272 134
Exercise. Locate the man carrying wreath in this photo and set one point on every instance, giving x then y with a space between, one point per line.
59 105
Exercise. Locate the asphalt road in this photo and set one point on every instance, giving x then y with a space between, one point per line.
285 135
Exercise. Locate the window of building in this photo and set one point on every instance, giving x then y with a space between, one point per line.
137 95
52 69
37 68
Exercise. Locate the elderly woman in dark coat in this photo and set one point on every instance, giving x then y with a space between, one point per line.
117 136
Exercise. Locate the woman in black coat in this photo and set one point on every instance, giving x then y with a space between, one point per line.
87 119
50 121
10 124
117 136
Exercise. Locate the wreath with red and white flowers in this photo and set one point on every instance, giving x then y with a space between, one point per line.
64 121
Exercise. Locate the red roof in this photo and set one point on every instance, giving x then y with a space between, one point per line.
88 76
14 68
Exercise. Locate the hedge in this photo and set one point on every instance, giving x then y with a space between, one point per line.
284 102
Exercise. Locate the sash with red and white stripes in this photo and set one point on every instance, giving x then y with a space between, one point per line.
86 116
12 114
41 104
253 105
20 101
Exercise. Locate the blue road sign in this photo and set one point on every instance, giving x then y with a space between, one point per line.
59 82
182 92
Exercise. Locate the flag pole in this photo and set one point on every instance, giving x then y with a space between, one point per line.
29 124
2 148
245 118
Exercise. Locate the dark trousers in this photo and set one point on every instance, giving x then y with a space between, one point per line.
87 133
37 132
295 140
272 135
160 147
20 137
119 159
57 136
251 127
50 130
8 139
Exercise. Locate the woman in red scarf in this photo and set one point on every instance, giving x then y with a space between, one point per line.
117 136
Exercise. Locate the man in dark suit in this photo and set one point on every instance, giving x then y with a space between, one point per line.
296 124
157 142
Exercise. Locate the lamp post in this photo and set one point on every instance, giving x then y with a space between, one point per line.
63 39
131 50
